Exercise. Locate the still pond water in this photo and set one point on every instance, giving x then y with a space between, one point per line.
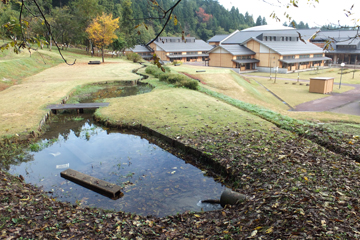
154 181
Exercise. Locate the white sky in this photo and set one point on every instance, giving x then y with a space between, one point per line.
325 12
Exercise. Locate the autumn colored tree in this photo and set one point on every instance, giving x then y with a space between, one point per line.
102 31
202 15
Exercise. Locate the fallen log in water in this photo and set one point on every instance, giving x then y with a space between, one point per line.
100 186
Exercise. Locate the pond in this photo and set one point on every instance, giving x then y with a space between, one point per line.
155 182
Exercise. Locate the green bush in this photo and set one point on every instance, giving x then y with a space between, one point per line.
133 57
154 70
188 83
179 80
176 63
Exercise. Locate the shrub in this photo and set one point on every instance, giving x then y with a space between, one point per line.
179 80
189 83
133 57
176 63
154 70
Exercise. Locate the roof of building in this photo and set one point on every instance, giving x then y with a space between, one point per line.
252 60
267 28
187 55
349 42
291 47
139 48
240 37
237 49
217 38
335 34
299 60
198 45
245 34
308 33
345 51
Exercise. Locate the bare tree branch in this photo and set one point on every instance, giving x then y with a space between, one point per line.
170 10
48 26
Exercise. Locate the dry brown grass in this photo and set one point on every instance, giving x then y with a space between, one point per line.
295 94
234 86
23 105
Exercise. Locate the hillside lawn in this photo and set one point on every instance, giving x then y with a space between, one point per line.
296 188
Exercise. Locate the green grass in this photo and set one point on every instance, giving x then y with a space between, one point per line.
349 128
187 112
15 67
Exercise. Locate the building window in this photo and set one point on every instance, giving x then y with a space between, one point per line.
204 52
175 53
243 57
282 38
287 38
191 53
289 57
317 55
304 56
270 38
266 38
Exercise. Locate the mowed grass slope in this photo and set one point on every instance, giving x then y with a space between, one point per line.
23 105
179 113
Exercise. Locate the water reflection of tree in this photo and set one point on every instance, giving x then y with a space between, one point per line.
14 155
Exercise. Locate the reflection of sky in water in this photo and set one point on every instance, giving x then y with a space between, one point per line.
155 181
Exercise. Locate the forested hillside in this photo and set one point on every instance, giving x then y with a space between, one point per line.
69 19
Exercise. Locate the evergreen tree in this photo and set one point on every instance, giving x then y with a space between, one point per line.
264 21
259 21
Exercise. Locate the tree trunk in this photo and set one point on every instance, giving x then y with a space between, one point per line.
50 43
102 54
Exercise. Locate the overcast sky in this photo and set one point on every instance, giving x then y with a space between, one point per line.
325 12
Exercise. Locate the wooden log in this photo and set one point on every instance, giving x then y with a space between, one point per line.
229 197
97 185
94 62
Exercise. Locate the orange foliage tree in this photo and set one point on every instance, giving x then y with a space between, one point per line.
102 31
203 15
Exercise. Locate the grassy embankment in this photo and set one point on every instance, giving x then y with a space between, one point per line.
296 185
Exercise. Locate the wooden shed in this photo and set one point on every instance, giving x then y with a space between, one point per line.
321 85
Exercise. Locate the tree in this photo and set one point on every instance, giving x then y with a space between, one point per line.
258 21
101 31
203 16
264 21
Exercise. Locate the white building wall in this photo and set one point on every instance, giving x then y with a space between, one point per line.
220 50
265 49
